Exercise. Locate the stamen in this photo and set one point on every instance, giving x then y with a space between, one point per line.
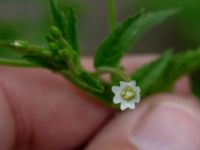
128 93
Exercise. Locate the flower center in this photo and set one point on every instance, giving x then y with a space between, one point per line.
128 93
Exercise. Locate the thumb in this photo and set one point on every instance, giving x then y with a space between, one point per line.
162 122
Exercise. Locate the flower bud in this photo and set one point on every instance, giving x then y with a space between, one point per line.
56 32
21 44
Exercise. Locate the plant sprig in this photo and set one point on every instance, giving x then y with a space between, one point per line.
63 55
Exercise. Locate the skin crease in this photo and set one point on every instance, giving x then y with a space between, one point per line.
41 110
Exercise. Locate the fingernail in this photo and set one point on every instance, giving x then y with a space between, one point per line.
168 126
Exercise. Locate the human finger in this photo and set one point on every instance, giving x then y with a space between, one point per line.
161 122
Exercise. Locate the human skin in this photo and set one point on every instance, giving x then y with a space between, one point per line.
39 110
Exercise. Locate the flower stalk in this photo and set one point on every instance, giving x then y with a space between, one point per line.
115 71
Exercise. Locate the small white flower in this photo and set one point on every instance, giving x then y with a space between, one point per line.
128 94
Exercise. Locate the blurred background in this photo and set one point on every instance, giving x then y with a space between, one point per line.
29 20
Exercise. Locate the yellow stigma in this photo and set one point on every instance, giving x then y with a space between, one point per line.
128 93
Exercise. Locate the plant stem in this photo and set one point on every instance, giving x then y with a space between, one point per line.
105 97
112 14
16 63
115 71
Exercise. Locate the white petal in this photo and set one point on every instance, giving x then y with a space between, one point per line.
122 83
116 99
137 89
132 106
115 89
137 99
132 83
123 106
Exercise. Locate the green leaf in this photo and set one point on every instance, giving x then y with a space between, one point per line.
71 28
89 82
185 63
195 82
173 68
66 23
58 17
125 35
148 76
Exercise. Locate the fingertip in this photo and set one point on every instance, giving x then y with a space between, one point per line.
163 122
183 87
49 109
131 63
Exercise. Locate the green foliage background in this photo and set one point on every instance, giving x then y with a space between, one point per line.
183 31
187 22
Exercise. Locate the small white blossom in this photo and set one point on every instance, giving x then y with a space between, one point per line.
128 94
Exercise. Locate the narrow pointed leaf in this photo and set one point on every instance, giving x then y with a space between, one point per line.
66 23
118 43
58 18
173 68
71 28
149 75
185 63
